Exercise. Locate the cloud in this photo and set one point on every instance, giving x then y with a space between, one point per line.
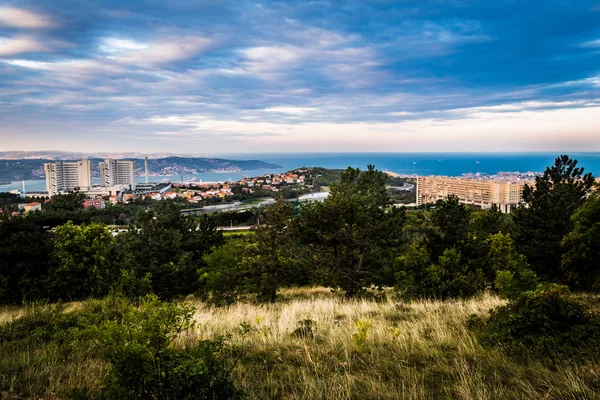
353 66
290 110
20 18
514 131
401 113
162 51
366 73
521 106
593 44
117 45
24 44
21 44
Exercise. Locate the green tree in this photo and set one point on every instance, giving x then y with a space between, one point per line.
167 248
581 247
450 277
25 249
71 201
411 273
220 275
354 232
511 269
80 262
267 263
450 220
544 217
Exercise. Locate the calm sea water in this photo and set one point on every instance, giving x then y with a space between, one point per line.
450 164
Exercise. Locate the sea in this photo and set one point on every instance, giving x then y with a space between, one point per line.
448 164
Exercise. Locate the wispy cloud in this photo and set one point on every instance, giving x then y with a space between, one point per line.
24 44
161 51
274 75
290 110
593 44
20 18
21 44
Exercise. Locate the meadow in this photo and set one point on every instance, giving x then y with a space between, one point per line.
314 344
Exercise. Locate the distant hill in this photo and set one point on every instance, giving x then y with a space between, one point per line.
33 168
72 155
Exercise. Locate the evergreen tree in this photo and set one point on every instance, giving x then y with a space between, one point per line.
544 217
581 246
267 259
354 232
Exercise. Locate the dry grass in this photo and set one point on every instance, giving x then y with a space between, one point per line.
419 350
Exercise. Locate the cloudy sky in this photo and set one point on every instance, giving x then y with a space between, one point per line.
219 76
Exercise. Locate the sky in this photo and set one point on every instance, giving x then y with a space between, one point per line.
220 76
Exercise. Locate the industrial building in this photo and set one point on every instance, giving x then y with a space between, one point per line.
481 193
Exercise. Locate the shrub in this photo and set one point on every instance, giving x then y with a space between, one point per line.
511 284
146 365
43 324
136 341
451 277
219 278
363 326
547 323
512 273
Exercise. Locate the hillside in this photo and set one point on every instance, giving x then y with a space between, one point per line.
352 349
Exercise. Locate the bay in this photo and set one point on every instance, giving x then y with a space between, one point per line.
449 164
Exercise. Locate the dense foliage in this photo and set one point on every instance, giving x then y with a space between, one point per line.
544 218
135 340
160 254
545 323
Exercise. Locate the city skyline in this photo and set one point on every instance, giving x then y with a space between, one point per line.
270 76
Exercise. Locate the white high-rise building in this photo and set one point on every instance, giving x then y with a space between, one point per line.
117 172
62 176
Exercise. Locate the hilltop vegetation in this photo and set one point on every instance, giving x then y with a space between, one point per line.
449 302
311 344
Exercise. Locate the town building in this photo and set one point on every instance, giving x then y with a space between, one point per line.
481 193
63 176
30 207
117 172
98 204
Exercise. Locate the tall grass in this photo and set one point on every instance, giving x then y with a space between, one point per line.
418 350
350 350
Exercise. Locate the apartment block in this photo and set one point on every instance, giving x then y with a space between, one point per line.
117 172
484 194
63 176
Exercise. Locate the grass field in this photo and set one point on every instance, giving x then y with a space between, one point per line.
348 350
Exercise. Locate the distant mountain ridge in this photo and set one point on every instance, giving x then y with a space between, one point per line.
26 168
73 155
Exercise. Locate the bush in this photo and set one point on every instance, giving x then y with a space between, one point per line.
43 324
451 277
134 340
219 278
511 284
146 365
512 273
547 323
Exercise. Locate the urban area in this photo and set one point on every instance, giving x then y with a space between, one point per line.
117 184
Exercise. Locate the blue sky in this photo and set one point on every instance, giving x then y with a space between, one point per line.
265 76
